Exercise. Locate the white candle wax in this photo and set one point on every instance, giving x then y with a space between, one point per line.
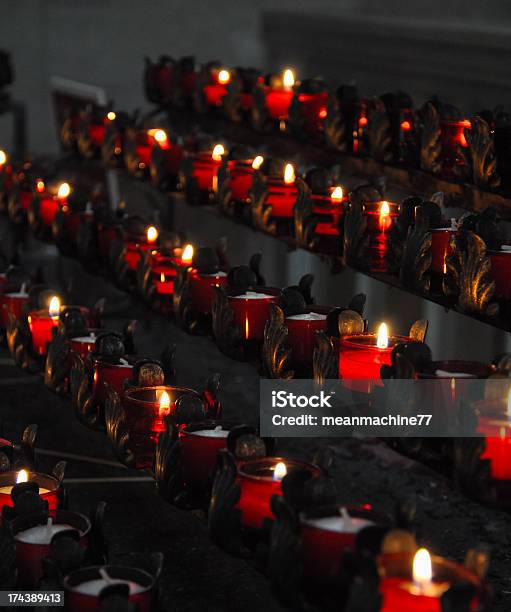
506 248
218 432
252 295
85 339
446 374
344 523
94 587
215 275
308 316
41 534
6 490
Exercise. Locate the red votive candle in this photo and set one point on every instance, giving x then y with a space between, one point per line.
282 194
495 424
326 533
380 217
201 289
241 177
314 109
330 209
83 345
279 95
362 355
50 202
259 480
200 443
501 271
146 409
33 535
136 244
452 139
12 303
421 588
205 167
113 374
252 310
302 328
441 248
48 487
83 587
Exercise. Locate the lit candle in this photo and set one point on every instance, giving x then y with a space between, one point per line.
289 174
301 337
152 234
257 162
3 158
337 194
201 289
252 310
48 487
218 152
224 76
187 255
288 78
495 424
13 303
384 216
63 191
41 324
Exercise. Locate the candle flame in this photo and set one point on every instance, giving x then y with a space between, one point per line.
257 163
337 194
384 210
152 234
111 116
280 471
164 403
289 174
22 476
3 157
288 78
64 190
54 307
162 277
187 254
246 327
160 136
422 570
382 340
218 151
40 186
224 76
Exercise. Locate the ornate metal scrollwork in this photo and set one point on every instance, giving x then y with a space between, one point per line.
224 519
167 464
232 100
355 237
469 276
305 221
81 389
379 136
482 153
224 193
296 120
325 360
188 182
416 259
335 127
57 366
116 427
181 298
225 331
19 341
430 144
259 112
274 352
261 213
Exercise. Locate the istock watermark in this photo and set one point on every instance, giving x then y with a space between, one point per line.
394 408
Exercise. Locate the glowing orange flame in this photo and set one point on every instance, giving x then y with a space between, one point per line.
111 116
187 255
64 190
162 277
289 174
54 307
40 186
218 151
422 569
224 76
3 157
337 194
22 476
164 404
280 471
288 78
152 234
382 341
257 163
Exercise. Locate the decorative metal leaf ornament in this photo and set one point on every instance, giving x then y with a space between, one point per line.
335 127
417 256
116 428
430 139
325 359
261 213
380 140
275 353
224 192
482 152
305 221
259 111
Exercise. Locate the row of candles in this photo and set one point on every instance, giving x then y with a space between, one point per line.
272 99
260 479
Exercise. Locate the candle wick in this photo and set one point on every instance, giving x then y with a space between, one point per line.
218 428
344 513
105 576
23 288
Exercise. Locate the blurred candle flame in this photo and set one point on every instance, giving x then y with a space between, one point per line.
54 307
22 476
337 194
111 116
3 157
382 341
187 255
289 174
288 78
64 190
152 234
256 164
280 471
218 151
164 403
422 570
40 186
224 76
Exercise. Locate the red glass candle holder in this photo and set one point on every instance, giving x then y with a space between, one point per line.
326 533
281 197
49 488
201 289
441 248
12 303
301 337
380 218
84 345
134 244
83 587
400 593
278 101
113 374
495 426
200 443
145 417
313 108
252 310
501 272
33 535
453 141
41 325
258 483
329 211
241 175
360 360
205 169
48 206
